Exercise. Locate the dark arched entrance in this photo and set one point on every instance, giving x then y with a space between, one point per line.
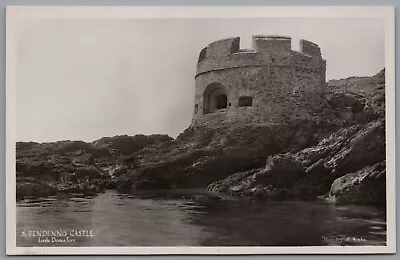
214 98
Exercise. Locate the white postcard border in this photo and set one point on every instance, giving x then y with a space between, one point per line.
15 13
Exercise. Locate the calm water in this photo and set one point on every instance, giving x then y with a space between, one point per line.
123 220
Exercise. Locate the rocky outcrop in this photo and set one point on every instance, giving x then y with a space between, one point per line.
75 166
202 155
308 173
370 91
347 149
303 160
365 186
124 144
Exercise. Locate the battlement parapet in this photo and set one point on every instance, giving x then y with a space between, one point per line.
310 48
220 48
268 50
271 43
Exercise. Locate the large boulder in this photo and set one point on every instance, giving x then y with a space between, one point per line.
366 146
365 186
235 183
281 170
344 100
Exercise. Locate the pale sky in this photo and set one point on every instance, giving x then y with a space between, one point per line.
86 79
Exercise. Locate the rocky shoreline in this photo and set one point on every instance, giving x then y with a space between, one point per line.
347 166
342 160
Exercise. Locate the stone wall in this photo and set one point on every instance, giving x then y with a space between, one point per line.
268 84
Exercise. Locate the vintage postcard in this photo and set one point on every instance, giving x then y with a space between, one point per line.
200 130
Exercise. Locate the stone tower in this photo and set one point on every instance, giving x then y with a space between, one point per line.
270 83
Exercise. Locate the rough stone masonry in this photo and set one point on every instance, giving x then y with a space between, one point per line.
270 83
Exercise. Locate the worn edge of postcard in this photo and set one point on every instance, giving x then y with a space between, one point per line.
15 13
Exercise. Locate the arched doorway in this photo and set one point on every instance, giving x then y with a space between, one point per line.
214 98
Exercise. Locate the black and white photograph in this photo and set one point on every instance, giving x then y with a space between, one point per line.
200 130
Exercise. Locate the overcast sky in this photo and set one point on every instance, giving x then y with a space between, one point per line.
85 79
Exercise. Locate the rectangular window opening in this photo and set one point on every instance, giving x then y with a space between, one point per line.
245 101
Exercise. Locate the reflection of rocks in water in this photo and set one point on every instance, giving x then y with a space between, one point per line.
263 224
290 223
126 220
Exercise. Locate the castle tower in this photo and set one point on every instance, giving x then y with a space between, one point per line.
270 83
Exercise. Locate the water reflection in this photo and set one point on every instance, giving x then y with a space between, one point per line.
126 220
292 223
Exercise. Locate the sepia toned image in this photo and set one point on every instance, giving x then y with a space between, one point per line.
129 131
